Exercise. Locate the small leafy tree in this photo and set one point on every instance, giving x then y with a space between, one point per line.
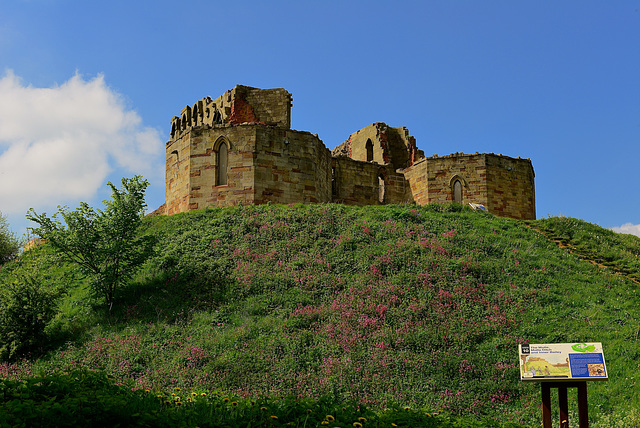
9 242
105 244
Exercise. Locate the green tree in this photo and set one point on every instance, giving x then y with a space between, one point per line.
104 243
9 242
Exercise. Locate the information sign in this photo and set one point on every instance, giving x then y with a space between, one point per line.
562 361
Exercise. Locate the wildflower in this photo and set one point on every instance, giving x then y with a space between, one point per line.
274 417
167 402
407 408
176 398
159 396
178 403
177 389
361 419
204 394
357 425
147 391
330 418
193 394
173 394
264 409
309 411
394 425
427 413
234 403
324 423
226 400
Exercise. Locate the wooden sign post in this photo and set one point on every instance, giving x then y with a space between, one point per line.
562 366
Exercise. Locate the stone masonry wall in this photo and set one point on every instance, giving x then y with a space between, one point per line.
242 104
269 162
355 182
416 175
391 145
177 181
442 171
510 187
291 167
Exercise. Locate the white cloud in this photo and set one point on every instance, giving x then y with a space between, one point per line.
631 229
60 143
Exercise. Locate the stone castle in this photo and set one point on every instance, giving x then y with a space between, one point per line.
240 149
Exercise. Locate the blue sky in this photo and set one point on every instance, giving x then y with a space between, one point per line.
87 89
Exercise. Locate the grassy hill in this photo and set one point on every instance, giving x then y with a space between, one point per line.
382 306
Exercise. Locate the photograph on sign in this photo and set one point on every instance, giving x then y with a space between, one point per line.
562 361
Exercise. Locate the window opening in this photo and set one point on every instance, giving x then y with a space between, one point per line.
457 191
222 164
369 148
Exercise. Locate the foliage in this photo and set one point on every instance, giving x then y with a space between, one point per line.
81 397
104 243
383 306
620 252
26 307
9 242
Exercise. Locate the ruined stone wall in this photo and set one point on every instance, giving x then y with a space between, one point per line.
396 187
416 176
510 187
355 182
291 167
388 145
242 104
269 162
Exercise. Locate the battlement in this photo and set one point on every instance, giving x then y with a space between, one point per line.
242 104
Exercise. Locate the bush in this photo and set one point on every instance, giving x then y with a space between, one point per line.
9 242
26 307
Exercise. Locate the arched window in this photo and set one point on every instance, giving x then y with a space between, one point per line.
369 147
222 164
457 191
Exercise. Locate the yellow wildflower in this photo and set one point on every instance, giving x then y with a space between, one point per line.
330 418
357 425
274 417
361 419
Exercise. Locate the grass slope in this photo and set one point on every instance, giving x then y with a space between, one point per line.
423 306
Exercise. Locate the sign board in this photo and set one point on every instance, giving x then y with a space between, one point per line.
562 362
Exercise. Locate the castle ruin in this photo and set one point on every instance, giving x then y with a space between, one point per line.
240 149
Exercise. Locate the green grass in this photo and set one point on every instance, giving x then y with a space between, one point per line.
384 307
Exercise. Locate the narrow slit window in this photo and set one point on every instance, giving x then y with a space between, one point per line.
223 154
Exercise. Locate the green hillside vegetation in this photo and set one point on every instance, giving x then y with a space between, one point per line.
377 307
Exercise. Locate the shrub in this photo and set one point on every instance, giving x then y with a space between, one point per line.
9 242
26 307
